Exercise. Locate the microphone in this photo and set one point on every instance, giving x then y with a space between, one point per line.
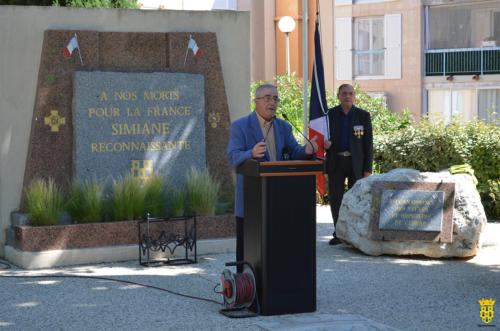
289 122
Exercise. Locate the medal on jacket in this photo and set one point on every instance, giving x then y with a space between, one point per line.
358 131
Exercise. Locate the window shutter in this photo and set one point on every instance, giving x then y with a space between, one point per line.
343 48
392 40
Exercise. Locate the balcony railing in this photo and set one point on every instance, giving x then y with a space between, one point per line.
462 61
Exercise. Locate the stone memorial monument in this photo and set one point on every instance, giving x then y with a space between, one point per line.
117 103
407 212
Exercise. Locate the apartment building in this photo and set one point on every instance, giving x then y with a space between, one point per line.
378 46
461 59
439 58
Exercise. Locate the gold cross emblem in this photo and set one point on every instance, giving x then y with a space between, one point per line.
213 119
54 120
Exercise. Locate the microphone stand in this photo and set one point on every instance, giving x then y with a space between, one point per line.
289 122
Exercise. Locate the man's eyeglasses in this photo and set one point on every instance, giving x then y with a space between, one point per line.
269 97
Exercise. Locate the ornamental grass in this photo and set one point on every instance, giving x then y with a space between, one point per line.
44 202
155 190
203 192
87 201
127 199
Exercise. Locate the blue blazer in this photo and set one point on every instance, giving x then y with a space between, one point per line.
245 133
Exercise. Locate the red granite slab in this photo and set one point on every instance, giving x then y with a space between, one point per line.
50 152
42 238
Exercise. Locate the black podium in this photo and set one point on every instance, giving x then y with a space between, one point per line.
280 233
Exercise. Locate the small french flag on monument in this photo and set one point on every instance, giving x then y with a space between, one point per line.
73 43
194 47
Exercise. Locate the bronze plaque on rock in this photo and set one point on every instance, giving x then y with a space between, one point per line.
412 211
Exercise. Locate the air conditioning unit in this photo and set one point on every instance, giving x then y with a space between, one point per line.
489 42
381 95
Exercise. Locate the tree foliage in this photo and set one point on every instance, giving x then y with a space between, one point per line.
131 4
290 90
424 146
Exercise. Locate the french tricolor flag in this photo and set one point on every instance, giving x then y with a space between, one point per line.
72 45
194 47
318 109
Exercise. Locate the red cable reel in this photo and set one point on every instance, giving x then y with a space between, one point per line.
239 290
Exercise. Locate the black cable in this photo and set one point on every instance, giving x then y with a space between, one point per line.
7 266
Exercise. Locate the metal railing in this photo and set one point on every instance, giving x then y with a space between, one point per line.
462 61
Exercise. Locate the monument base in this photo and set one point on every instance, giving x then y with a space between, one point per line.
65 257
47 246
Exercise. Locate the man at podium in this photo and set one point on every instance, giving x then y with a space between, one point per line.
263 137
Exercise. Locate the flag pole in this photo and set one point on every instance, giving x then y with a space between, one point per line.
324 107
187 50
79 53
318 105
305 65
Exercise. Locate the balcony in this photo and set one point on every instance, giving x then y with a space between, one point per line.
462 61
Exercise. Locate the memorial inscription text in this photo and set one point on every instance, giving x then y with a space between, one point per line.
122 117
411 210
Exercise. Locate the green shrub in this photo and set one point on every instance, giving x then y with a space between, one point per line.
290 90
490 196
44 202
424 146
127 199
87 201
26 2
154 195
435 146
131 4
290 94
494 195
202 193
482 141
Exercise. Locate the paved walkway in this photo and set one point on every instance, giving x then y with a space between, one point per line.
354 292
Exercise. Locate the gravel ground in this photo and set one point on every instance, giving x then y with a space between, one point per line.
407 293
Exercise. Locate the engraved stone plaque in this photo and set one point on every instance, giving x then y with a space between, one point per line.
138 123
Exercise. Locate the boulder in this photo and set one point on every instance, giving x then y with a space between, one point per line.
469 218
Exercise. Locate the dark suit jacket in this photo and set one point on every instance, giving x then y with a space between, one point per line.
361 145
